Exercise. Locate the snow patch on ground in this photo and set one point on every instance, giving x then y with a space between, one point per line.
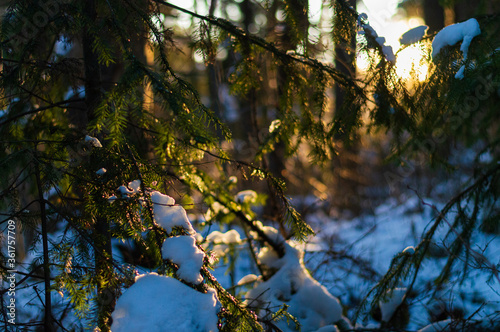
395 227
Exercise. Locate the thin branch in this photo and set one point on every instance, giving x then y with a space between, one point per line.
40 109
46 267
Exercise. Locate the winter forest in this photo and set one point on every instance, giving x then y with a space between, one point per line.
250 165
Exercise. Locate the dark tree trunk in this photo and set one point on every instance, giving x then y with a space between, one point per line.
275 159
347 186
433 15
48 320
101 236
466 9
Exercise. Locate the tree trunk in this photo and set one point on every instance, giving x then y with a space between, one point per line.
347 187
48 321
433 15
101 236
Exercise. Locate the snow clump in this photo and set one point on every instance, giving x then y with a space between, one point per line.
394 300
182 250
93 141
409 250
249 278
132 188
413 35
452 34
308 300
168 215
223 241
230 237
157 303
246 196
275 124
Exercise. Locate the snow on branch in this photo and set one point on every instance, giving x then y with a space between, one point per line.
414 35
155 303
308 301
452 34
368 30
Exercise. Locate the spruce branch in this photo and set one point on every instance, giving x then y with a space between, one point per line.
59 104
270 47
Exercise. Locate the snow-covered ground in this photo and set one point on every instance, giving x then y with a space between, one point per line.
348 257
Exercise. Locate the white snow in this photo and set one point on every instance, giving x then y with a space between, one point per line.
452 34
246 196
367 29
132 188
388 53
63 45
308 301
182 250
101 171
394 228
168 215
135 185
230 237
270 232
222 241
248 279
269 257
460 73
410 250
158 303
394 300
93 141
215 209
275 124
413 35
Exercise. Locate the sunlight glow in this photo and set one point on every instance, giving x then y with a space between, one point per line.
410 62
